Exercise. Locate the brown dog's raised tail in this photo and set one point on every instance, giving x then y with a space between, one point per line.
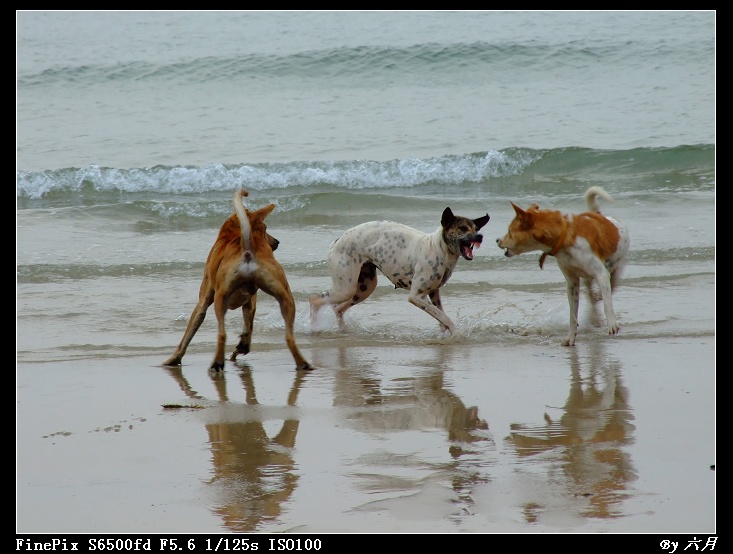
244 224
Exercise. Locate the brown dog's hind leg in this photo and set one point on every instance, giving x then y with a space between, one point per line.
220 309
197 318
245 339
287 308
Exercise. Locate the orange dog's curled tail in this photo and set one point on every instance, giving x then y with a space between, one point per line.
591 198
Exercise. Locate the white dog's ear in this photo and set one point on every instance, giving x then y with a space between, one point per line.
481 221
448 217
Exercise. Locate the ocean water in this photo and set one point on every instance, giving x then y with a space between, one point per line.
133 129
132 138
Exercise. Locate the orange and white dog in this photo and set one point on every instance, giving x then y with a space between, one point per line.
588 246
240 263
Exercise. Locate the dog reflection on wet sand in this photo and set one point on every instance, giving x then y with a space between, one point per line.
590 436
254 473
414 402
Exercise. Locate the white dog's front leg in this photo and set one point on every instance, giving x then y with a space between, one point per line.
573 285
435 300
421 301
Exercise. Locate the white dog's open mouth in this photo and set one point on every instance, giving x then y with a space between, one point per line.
467 248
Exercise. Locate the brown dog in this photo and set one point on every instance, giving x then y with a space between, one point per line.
240 263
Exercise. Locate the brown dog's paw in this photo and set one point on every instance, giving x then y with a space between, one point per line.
240 349
305 366
234 355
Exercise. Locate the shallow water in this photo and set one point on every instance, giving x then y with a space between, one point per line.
131 141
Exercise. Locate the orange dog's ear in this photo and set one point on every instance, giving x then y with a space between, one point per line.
520 212
524 217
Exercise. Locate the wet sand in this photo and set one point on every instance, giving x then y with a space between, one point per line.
611 436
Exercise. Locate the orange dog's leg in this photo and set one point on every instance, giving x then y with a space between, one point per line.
573 289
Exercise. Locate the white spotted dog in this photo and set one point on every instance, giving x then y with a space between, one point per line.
410 259
588 246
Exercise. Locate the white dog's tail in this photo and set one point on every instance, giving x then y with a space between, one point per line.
591 198
243 224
